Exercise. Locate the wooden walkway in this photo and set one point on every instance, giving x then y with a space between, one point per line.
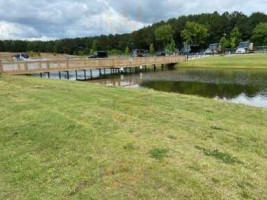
32 67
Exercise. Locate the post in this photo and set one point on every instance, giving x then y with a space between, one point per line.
47 65
100 72
68 75
155 67
26 66
76 74
59 75
91 73
104 71
1 67
41 75
40 65
48 74
84 72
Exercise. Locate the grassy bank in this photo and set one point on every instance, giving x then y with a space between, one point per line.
72 140
253 61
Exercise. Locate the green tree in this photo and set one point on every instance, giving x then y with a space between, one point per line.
31 54
194 33
151 49
127 51
171 47
235 37
95 46
224 43
164 34
260 34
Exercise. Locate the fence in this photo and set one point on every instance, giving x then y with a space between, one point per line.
28 67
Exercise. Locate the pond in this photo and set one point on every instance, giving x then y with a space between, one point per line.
244 86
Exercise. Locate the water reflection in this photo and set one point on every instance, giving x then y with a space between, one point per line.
237 86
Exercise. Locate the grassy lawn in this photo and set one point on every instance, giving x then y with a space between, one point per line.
253 61
72 140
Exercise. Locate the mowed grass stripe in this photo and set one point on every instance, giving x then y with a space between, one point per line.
68 140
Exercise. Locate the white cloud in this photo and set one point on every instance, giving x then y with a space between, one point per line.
15 31
44 19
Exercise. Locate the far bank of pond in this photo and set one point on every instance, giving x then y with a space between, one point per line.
234 85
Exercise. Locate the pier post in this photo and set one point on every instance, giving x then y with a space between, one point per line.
1 67
59 75
76 74
91 74
84 73
68 75
48 74
100 72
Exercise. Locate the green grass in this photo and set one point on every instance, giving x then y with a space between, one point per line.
251 61
72 140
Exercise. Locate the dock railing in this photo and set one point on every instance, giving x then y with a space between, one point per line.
39 66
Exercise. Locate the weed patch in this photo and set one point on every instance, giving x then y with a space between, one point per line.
225 157
158 153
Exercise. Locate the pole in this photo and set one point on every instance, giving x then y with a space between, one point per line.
68 75
1 67
84 72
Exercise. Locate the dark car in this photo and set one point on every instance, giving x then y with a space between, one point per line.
161 53
139 53
99 54
191 49
21 56
213 49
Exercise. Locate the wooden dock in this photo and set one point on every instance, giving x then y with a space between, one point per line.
46 66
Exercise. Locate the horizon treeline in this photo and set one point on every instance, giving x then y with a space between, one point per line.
218 26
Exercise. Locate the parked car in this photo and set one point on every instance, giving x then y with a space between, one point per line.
99 54
161 53
241 51
21 56
191 49
244 47
213 49
139 53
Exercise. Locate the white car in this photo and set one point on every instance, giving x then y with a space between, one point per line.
240 51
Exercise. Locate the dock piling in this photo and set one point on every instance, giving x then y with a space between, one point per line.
84 73
68 75
76 74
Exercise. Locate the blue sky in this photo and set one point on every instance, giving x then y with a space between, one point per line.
54 19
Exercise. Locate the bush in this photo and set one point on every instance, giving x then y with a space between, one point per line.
158 153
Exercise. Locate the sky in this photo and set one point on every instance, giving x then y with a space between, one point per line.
56 19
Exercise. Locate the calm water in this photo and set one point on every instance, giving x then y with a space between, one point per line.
238 86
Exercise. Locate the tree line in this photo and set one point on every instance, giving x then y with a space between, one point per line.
201 29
